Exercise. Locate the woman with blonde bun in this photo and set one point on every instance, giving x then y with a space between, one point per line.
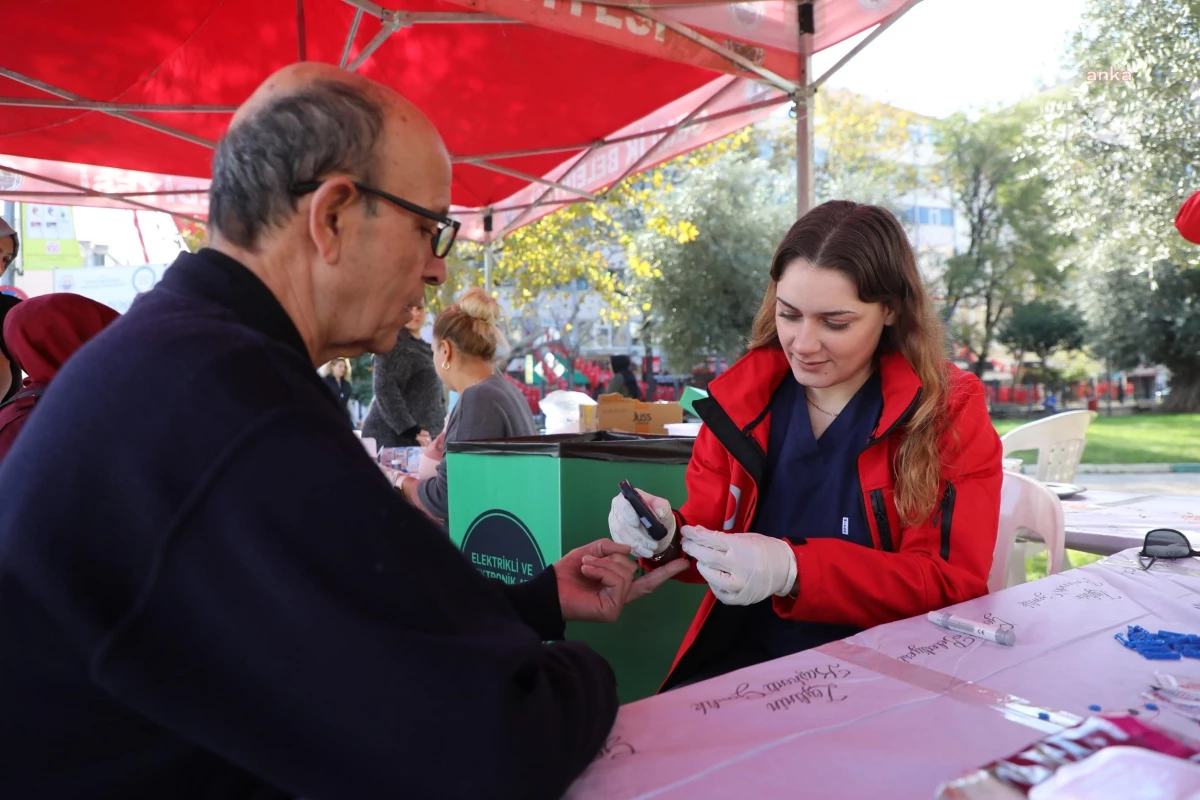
466 338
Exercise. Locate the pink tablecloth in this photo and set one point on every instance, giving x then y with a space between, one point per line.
897 710
1108 522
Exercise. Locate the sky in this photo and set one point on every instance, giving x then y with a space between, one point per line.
945 56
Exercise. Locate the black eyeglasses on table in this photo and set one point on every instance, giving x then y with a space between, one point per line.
1166 543
443 237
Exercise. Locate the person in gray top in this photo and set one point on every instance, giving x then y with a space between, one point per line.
465 340
410 405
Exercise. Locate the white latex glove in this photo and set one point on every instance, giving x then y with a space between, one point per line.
624 527
741 568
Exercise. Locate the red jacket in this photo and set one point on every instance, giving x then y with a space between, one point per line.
911 570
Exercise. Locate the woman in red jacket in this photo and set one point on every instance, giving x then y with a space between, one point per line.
847 474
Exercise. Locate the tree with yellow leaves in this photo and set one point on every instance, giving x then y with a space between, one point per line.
706 288
582 248
864 151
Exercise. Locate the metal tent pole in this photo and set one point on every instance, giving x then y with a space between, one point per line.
805 185
489 252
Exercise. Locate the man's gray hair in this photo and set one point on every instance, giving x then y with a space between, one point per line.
328 127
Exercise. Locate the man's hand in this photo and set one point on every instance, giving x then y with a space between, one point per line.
424 439
597 580
407 485
741 568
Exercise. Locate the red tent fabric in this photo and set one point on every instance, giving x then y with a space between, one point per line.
532 89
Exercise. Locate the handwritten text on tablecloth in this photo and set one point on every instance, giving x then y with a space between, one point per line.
803 686
1080 588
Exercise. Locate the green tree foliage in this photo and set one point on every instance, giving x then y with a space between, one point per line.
588 244
864 146
1042 328
706 289
1013 248
1120 156
1157 323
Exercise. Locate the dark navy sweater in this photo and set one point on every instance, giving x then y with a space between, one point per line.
208 590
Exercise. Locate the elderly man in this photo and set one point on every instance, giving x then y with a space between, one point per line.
207 589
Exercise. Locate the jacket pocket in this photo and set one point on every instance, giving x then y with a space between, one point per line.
879 509
947 519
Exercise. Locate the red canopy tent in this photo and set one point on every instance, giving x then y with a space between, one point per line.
541 102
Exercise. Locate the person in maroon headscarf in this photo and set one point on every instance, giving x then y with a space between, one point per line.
10 373
41 334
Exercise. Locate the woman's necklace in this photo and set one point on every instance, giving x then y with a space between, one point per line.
818 408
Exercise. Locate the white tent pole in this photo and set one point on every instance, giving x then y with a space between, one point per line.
568 148
516 223
667 135
806 195
883 26
453 18
683 30
488 256
539 202
358 15
805 118
527 206
390 26
489 251
406 18
374 10
95 193
114 195
526 177
92 105
154 126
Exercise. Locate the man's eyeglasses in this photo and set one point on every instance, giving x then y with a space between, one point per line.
1165 543
443 237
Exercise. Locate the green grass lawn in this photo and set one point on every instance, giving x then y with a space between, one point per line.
1137 439
1035 566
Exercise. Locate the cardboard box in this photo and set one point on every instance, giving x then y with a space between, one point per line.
613 412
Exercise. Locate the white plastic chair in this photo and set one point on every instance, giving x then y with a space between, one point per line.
1026 504
1059 440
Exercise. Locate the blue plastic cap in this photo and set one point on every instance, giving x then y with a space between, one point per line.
1151 707
1043 715
1093 707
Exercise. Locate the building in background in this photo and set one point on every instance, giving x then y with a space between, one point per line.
108 255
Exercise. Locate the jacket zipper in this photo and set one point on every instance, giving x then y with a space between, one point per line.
947 519
881 520
877 504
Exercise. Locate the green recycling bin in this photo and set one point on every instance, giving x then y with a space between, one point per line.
517 505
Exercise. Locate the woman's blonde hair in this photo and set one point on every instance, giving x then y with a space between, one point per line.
867 244
327 369
472 325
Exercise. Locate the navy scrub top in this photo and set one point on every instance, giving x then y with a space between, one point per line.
811 490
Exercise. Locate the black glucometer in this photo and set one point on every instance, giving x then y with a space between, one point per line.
656 529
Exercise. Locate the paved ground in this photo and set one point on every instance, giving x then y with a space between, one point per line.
1177 483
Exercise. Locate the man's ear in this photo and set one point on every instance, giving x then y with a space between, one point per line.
326 216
